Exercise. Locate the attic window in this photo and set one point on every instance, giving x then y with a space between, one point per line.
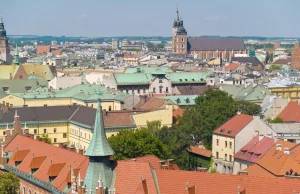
5 89
185 79
230 131
178 100
180 80
193 79
222 130
45 72
33 73
187 100
28 88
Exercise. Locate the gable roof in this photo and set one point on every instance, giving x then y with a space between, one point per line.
188 77
276 162
231 66
22 86
42 49
291 113
61 160
133 78
39 70
234 125
210 44
283 61
129 175
248 60
8 71
152 103
255 149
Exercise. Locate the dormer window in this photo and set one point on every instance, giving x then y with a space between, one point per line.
180 80
54 171
5 89
222 130
229 132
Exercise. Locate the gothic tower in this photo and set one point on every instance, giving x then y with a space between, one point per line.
179 40
4 48
100 173
16 56
296 56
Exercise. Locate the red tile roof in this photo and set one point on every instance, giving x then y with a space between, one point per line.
152 103
232 127
151 159
129 175
56 52
36 162
20 155
42 49
291 113
200 151
174 182
231 66
255 149
53 154
276 162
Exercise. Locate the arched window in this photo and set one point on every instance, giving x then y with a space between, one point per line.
29 191
24 190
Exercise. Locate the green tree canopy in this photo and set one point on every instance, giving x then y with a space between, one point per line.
46 138
277 119
9 183
135 143
212 109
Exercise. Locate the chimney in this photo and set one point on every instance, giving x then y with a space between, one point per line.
278 147
261 136
4 108
72 148
286 150
170 164
81 152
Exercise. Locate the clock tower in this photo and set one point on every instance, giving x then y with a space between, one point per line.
4 48
179 39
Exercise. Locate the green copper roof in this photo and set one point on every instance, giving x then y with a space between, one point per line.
188 77
99 145
133 78
181 100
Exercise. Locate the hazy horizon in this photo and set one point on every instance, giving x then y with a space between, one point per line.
99 18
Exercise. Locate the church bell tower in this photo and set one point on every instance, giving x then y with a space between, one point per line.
179 40
4 48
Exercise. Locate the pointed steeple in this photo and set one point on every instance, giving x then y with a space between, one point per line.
177 13
99 152
16 56
1 19
99 145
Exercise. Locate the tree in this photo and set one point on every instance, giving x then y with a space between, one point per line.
277 119
274 67
153 126
46 138
9 183
211 110
134 143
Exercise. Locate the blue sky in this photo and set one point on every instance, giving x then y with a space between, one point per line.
96 18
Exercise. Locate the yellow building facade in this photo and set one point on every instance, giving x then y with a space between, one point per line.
292 92
16 101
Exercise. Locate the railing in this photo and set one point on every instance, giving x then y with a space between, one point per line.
30 178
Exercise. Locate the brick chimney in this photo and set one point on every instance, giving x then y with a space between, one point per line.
278 147
81 152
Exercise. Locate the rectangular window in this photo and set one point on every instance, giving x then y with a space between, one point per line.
144 90
217 142
4 133
225 157
35 131
230 158
230 145
160 81
154 90
217 154
64 135
45 130
54 130
109 108
138 91
182 39
167 90
225 144
54 140
160 89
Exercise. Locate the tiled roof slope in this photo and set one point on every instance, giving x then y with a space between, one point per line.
129 175
52 153
174 182
247 60
255 149
231 66
152 103
200 151
193 90
276 162
291 113
42 49
233 126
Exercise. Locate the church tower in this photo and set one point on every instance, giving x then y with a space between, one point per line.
179 40
100 173
4 48
296 56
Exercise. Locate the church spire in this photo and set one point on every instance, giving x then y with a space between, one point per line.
99 145
177 13
99 152
1 19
